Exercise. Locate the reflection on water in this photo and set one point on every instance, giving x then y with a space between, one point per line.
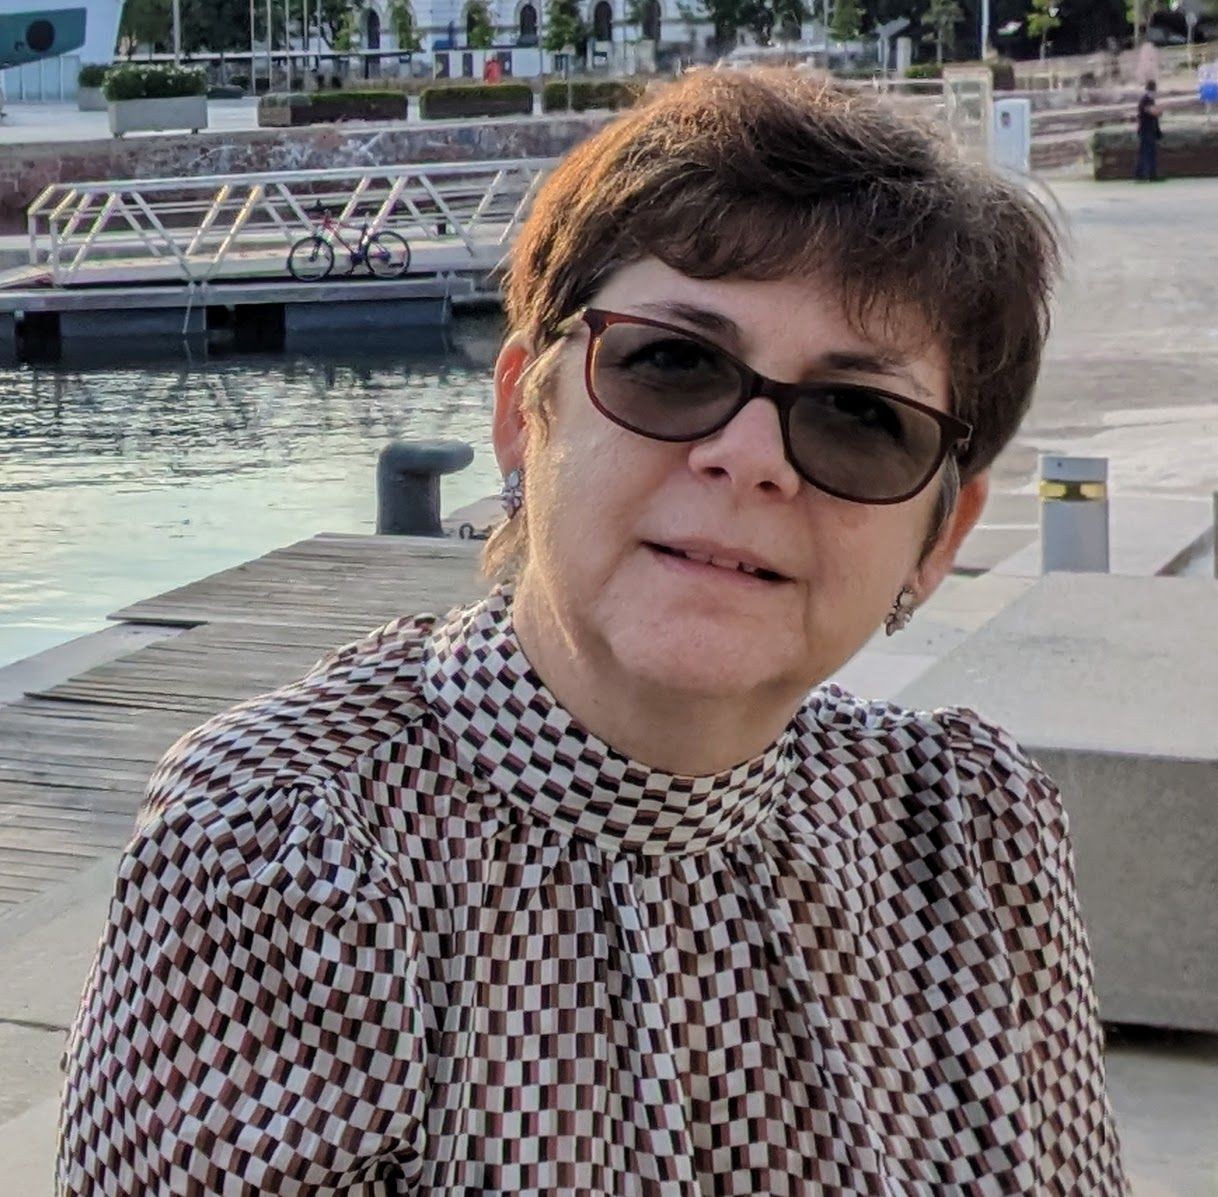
121 479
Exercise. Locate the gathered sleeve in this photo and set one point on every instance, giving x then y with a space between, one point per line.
251 1022
1022 837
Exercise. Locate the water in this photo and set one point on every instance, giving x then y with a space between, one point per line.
119 480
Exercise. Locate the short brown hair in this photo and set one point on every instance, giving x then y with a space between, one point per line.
769 174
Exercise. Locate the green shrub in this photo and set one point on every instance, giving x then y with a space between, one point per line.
325 107
92 74
924 70
146 81
225 91
478 99
609 93
356 105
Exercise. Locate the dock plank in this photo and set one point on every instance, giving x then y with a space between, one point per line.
75 757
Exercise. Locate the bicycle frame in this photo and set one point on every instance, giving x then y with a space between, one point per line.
332 228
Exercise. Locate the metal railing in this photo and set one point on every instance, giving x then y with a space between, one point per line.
458 217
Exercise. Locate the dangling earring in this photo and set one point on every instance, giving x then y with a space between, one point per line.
901 613
512 493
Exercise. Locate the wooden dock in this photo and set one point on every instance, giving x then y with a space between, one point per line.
74 758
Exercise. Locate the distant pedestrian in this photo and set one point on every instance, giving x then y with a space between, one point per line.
1149 133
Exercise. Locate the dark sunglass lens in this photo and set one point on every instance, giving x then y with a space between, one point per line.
661 383
859 443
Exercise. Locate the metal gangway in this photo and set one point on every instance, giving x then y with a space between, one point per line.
459 218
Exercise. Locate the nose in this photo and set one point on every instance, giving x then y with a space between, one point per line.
748 453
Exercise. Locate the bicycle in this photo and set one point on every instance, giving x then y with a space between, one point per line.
386 254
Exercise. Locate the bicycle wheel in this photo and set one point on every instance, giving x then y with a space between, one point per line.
311 259
388 255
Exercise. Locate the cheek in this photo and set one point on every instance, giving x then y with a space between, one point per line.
863 555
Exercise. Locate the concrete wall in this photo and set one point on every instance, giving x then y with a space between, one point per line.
26 170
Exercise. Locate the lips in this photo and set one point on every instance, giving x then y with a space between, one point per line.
721 558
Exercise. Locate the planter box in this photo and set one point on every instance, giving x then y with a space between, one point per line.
1186 152
478 99
90 99
284 109
149 116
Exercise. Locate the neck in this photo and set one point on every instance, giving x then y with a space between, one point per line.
672 730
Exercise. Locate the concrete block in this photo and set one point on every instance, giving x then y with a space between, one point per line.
8 339
307 321
1109 682
130 325
1148 535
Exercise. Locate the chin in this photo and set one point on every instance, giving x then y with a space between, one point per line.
704 657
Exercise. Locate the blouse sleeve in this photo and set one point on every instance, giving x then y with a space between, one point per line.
250 1024
1028 866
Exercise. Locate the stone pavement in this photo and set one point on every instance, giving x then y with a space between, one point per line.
32 123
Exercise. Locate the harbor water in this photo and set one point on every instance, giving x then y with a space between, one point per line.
122 478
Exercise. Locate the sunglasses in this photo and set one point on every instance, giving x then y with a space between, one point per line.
854 442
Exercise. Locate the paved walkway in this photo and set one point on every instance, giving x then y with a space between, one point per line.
29 123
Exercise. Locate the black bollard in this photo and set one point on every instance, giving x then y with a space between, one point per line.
408 485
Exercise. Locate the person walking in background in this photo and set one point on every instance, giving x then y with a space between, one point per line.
1149 133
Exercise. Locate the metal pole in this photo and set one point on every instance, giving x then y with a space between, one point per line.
287 40
270 66
253 85
985 27
177 32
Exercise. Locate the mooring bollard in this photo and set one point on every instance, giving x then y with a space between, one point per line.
408 477
1073 514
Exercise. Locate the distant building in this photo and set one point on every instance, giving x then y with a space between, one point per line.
616 42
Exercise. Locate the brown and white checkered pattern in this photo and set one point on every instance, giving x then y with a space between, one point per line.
406 927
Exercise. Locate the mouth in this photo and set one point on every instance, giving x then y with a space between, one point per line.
724 562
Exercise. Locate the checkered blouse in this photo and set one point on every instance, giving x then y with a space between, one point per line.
405 927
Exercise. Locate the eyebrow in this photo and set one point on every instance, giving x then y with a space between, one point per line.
838 361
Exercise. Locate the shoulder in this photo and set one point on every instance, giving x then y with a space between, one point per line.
305 732
951 760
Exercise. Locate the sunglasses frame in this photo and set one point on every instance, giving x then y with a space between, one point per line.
954 433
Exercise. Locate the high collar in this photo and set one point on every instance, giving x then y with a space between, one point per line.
513 733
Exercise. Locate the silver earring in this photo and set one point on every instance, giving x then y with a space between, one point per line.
901 613
512 494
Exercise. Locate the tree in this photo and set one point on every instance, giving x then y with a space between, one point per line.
215 25
759 17
479 32
726 17
565 26
342 35
146 23
638 12
1043 20
401 21
942 16
789 16
847 21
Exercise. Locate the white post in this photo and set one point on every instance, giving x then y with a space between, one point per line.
253 86
1073 514
270 66
177 32
985 27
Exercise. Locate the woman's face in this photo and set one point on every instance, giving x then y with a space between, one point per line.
606 507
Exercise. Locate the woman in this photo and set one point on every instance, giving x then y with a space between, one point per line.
588 888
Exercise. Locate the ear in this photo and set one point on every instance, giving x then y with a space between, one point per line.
509 431
969 505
